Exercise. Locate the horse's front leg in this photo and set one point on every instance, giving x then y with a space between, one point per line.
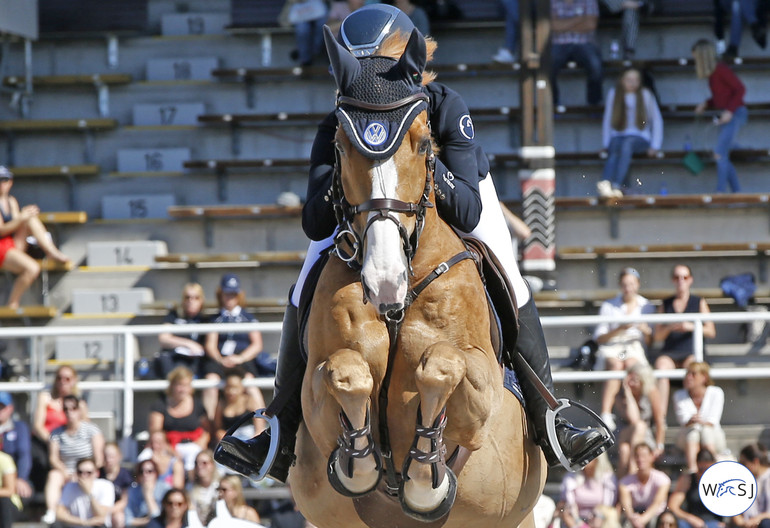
429 486
355 466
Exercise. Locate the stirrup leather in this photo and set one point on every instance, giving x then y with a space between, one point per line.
585 457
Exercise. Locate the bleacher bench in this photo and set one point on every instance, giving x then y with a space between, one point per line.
257 259
263 305
28 312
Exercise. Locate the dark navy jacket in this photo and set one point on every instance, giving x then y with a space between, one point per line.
460 165
17 443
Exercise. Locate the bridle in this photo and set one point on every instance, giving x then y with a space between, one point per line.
386 208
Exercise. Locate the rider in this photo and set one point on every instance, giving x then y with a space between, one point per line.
465 198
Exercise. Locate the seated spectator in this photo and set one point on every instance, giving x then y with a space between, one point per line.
308 18
582 491
145 495
235 403
621 345
121 478
204 486
643 494
573 38
685 500
77 440
169 464
184 350
632 124
698 408
632 11
181 416
231 492
755 458
416 14
16 225
175 511
677 338
87 500
230 350
10 502
639 411
507 54
667 519
15 441
743 13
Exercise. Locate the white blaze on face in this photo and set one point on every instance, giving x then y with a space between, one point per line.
384 271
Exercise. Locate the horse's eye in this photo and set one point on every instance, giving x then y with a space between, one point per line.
339 147
424 146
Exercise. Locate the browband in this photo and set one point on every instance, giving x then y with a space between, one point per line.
382 107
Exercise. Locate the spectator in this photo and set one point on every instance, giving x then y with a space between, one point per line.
643 494
120 478
754 457
86 501
339 10
236 402
169 464
507 54
632 11
174 511
678 346
639 410
742 13
698 408
583 491
667 519
185 350
229 350
719 27
15 441
632 124
685 500
145 495
74 441
727 93
205 486
180 415
16 225
604 516
308 18
231 491
10 502
416 14
49 412
573 38
621 345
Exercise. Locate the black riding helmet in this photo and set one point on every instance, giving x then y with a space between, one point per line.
363 30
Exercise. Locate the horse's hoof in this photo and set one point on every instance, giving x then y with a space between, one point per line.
334 478
441 510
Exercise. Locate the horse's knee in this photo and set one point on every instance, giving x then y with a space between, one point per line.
346 371
441 365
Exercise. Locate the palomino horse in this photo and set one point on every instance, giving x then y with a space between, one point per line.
403 383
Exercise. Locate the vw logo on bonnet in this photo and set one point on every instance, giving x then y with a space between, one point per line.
375 134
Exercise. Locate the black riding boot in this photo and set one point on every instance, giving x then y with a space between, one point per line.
578 445
247 456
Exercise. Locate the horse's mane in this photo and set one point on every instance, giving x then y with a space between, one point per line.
394 47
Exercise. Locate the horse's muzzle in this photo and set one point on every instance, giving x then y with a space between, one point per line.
386 295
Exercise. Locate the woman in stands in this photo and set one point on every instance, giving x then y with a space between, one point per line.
465 197
16 224
227 350
231 491
204 486
146 495
181 416
755 457
643 494
698 408
581 492
621 345
120 477
76 440
169 464
677 338
49 412
632 124
727 93
685 500
237 400
184 350
174 511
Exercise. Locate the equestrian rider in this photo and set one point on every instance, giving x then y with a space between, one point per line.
466 199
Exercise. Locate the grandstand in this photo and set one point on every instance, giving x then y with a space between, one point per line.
158 149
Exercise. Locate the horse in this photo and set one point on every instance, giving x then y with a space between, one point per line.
406 419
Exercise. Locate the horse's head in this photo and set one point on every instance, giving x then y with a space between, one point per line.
383 164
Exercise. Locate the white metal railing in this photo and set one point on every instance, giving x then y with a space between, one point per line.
127 355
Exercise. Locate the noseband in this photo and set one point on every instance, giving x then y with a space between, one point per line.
386 208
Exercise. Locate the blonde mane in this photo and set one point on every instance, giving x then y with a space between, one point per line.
394 46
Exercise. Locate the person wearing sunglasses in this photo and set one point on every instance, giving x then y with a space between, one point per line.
87 500
70 443
184 349
16 225
677 338
174 510
231 494
146 495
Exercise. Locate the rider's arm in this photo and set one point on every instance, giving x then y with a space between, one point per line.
318 219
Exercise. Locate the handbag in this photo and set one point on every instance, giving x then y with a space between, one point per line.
306 11
692 162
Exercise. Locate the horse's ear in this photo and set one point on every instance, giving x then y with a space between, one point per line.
415 57
345 67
